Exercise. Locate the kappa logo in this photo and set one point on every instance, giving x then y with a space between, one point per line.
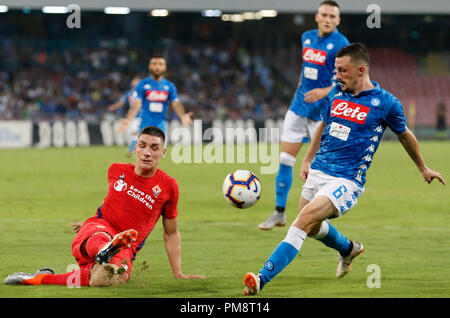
120 185
156 191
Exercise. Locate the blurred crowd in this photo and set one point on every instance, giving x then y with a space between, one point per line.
80 82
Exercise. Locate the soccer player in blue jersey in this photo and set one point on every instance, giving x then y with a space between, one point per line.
126 99
152 96
301 120
354 118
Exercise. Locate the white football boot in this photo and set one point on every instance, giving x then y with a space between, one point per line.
275 219
26 278
345 263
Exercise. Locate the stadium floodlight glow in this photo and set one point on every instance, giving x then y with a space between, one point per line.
55 9
252 16
117 10
268 13
3 9
211 13
159 13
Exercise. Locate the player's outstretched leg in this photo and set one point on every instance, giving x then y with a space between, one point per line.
27 278
118 243
283 254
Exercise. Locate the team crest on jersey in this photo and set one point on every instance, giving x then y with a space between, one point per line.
375 102
156 190
120 185
330 46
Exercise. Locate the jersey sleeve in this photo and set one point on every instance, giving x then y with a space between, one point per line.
138 91
170 209
173 93
395 118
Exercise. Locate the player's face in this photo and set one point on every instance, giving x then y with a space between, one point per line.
327 19
157 66
149 150
347 73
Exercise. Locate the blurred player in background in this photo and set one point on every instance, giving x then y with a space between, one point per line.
107 243
354 119
303 117
126 100
152 96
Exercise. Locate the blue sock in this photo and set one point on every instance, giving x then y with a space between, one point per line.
336 240
132 144
283 185
283 254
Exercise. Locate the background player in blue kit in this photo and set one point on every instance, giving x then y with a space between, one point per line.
125 101
354 119
152 96
301 120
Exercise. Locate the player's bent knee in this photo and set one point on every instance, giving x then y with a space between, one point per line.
107 275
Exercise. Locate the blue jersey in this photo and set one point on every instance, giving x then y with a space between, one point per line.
354 127
318 69
155 97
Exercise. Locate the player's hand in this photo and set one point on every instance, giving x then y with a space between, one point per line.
123 125
76 226
186 120
429 175
304 170
183 276
315 94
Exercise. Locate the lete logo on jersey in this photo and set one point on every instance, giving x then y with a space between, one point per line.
157 96
349 111
314 56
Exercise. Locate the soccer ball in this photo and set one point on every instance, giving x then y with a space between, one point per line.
242 189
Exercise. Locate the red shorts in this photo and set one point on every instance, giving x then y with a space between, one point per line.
90 227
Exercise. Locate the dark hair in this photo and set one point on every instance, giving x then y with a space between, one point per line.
330 3
357 52
153 131
157 56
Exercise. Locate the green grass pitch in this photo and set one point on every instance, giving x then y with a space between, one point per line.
403 222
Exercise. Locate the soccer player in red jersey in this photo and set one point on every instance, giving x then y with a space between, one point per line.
106 244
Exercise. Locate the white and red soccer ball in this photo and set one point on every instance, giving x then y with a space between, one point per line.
242 189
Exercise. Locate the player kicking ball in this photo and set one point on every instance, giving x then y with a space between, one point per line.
106 244
354 119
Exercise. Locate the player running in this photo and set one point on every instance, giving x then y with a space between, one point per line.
126 100
303 117
107 243
152 96
354 119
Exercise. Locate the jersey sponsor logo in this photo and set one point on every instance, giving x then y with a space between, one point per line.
349 111
156 96
314 56
339 131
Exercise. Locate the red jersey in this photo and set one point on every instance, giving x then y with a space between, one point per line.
135 202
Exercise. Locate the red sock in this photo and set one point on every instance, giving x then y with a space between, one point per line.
76 278
95 243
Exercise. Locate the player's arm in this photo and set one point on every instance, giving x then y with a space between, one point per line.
185 118
172 242
409 142
312 150
135 106
316 94
116 105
